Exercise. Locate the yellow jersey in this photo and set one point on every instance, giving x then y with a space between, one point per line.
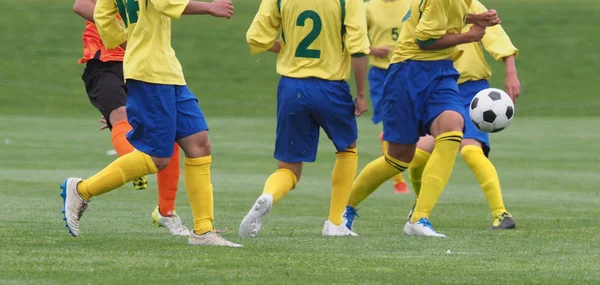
472 65
427 21
384 23
317 37
146 27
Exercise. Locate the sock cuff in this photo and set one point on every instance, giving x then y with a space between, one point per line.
400 165
198 160
421 153
121 126
289 172
455 136
149 162
347 153
470 148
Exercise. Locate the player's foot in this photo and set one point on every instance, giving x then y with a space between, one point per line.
349 215
73 205
503 221
172 223
421 228
331 230
401 188
210 238
251 223
140 183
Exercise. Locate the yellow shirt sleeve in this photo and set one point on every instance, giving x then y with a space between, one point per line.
111 30
496 42
170 8
356 38
264 28
433 21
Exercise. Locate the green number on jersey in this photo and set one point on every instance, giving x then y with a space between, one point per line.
303 50
128 10
395 34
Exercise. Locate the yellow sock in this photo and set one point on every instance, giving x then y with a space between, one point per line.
126 168
437 173
196 175
486 174
373 175
415 170
280 183
344 171
384 148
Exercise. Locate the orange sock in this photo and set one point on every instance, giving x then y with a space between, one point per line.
120 142
168 180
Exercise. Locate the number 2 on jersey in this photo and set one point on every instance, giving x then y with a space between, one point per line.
128 10
303 50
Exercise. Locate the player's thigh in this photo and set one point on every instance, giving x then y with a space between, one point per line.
105 87
152 113
443 109
400 106
297 135
332 107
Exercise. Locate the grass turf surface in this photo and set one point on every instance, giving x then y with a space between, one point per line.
548 166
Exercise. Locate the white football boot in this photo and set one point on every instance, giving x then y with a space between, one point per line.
172 223
331 230
421 228
73 205
210 239
251 223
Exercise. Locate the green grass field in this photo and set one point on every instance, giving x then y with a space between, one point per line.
548 162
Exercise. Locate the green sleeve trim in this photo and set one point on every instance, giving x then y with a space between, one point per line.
278 6
426 43
360 54
343 31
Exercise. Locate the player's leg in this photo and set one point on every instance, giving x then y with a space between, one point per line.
164 215
376 80
475 148
108 93
333 109
400 186
400 129
296 141
192 136
443 115
150 134
417 165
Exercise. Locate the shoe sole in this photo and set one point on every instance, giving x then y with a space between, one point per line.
63 194
252 229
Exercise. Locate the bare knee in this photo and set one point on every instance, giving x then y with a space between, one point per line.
161 163
295 167
402 152
426 143
447 121
196 145
473 142
117 115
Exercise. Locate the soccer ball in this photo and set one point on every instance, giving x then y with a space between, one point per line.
492 110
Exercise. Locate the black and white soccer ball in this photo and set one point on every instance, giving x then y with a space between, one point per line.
492 110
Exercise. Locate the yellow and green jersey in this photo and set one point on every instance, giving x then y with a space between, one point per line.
146 27
384 23
472 65
427 21
317 37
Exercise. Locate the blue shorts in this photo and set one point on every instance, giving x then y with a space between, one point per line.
161 115
376 79
414 94
468 90
304 105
